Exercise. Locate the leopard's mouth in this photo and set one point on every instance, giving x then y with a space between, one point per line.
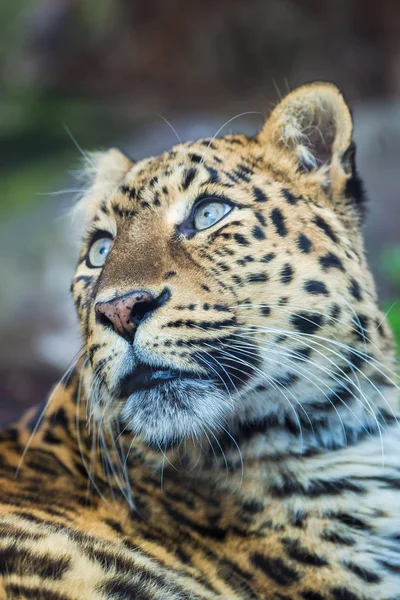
165 405
146 377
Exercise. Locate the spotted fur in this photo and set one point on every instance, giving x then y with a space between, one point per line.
268 466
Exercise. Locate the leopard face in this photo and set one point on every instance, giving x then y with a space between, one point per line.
224 282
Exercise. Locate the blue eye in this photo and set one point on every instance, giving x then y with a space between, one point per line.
99 251
209 213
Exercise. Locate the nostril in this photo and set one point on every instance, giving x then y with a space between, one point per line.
144 307
141 309
102 318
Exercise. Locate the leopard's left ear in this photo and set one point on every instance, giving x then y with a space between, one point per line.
101 177
310 131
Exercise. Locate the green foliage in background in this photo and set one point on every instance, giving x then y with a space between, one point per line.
390 264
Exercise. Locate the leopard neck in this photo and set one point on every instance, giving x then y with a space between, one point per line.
274 455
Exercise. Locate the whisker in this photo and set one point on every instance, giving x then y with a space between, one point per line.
78 147
243 114
171 126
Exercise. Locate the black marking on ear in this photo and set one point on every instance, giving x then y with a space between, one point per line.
307 323
286 274
312 286
268 257
355 289
258 233
304 243
331 261
279 221
259 195
289 197
189 176
354 186
104 208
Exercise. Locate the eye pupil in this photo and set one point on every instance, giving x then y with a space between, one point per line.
98 252
209 213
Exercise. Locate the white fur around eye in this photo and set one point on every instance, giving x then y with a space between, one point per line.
99 251
210 213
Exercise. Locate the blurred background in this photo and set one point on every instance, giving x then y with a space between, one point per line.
93 73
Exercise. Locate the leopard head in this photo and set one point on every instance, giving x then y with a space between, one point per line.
224 282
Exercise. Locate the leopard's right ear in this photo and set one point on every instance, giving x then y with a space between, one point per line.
309 134
102 175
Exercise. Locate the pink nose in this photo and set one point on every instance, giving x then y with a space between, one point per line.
125 313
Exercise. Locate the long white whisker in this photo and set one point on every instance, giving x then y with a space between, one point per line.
171 126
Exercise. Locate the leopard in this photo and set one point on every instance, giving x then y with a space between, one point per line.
229 428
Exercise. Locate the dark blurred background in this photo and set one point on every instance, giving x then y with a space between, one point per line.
91 73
